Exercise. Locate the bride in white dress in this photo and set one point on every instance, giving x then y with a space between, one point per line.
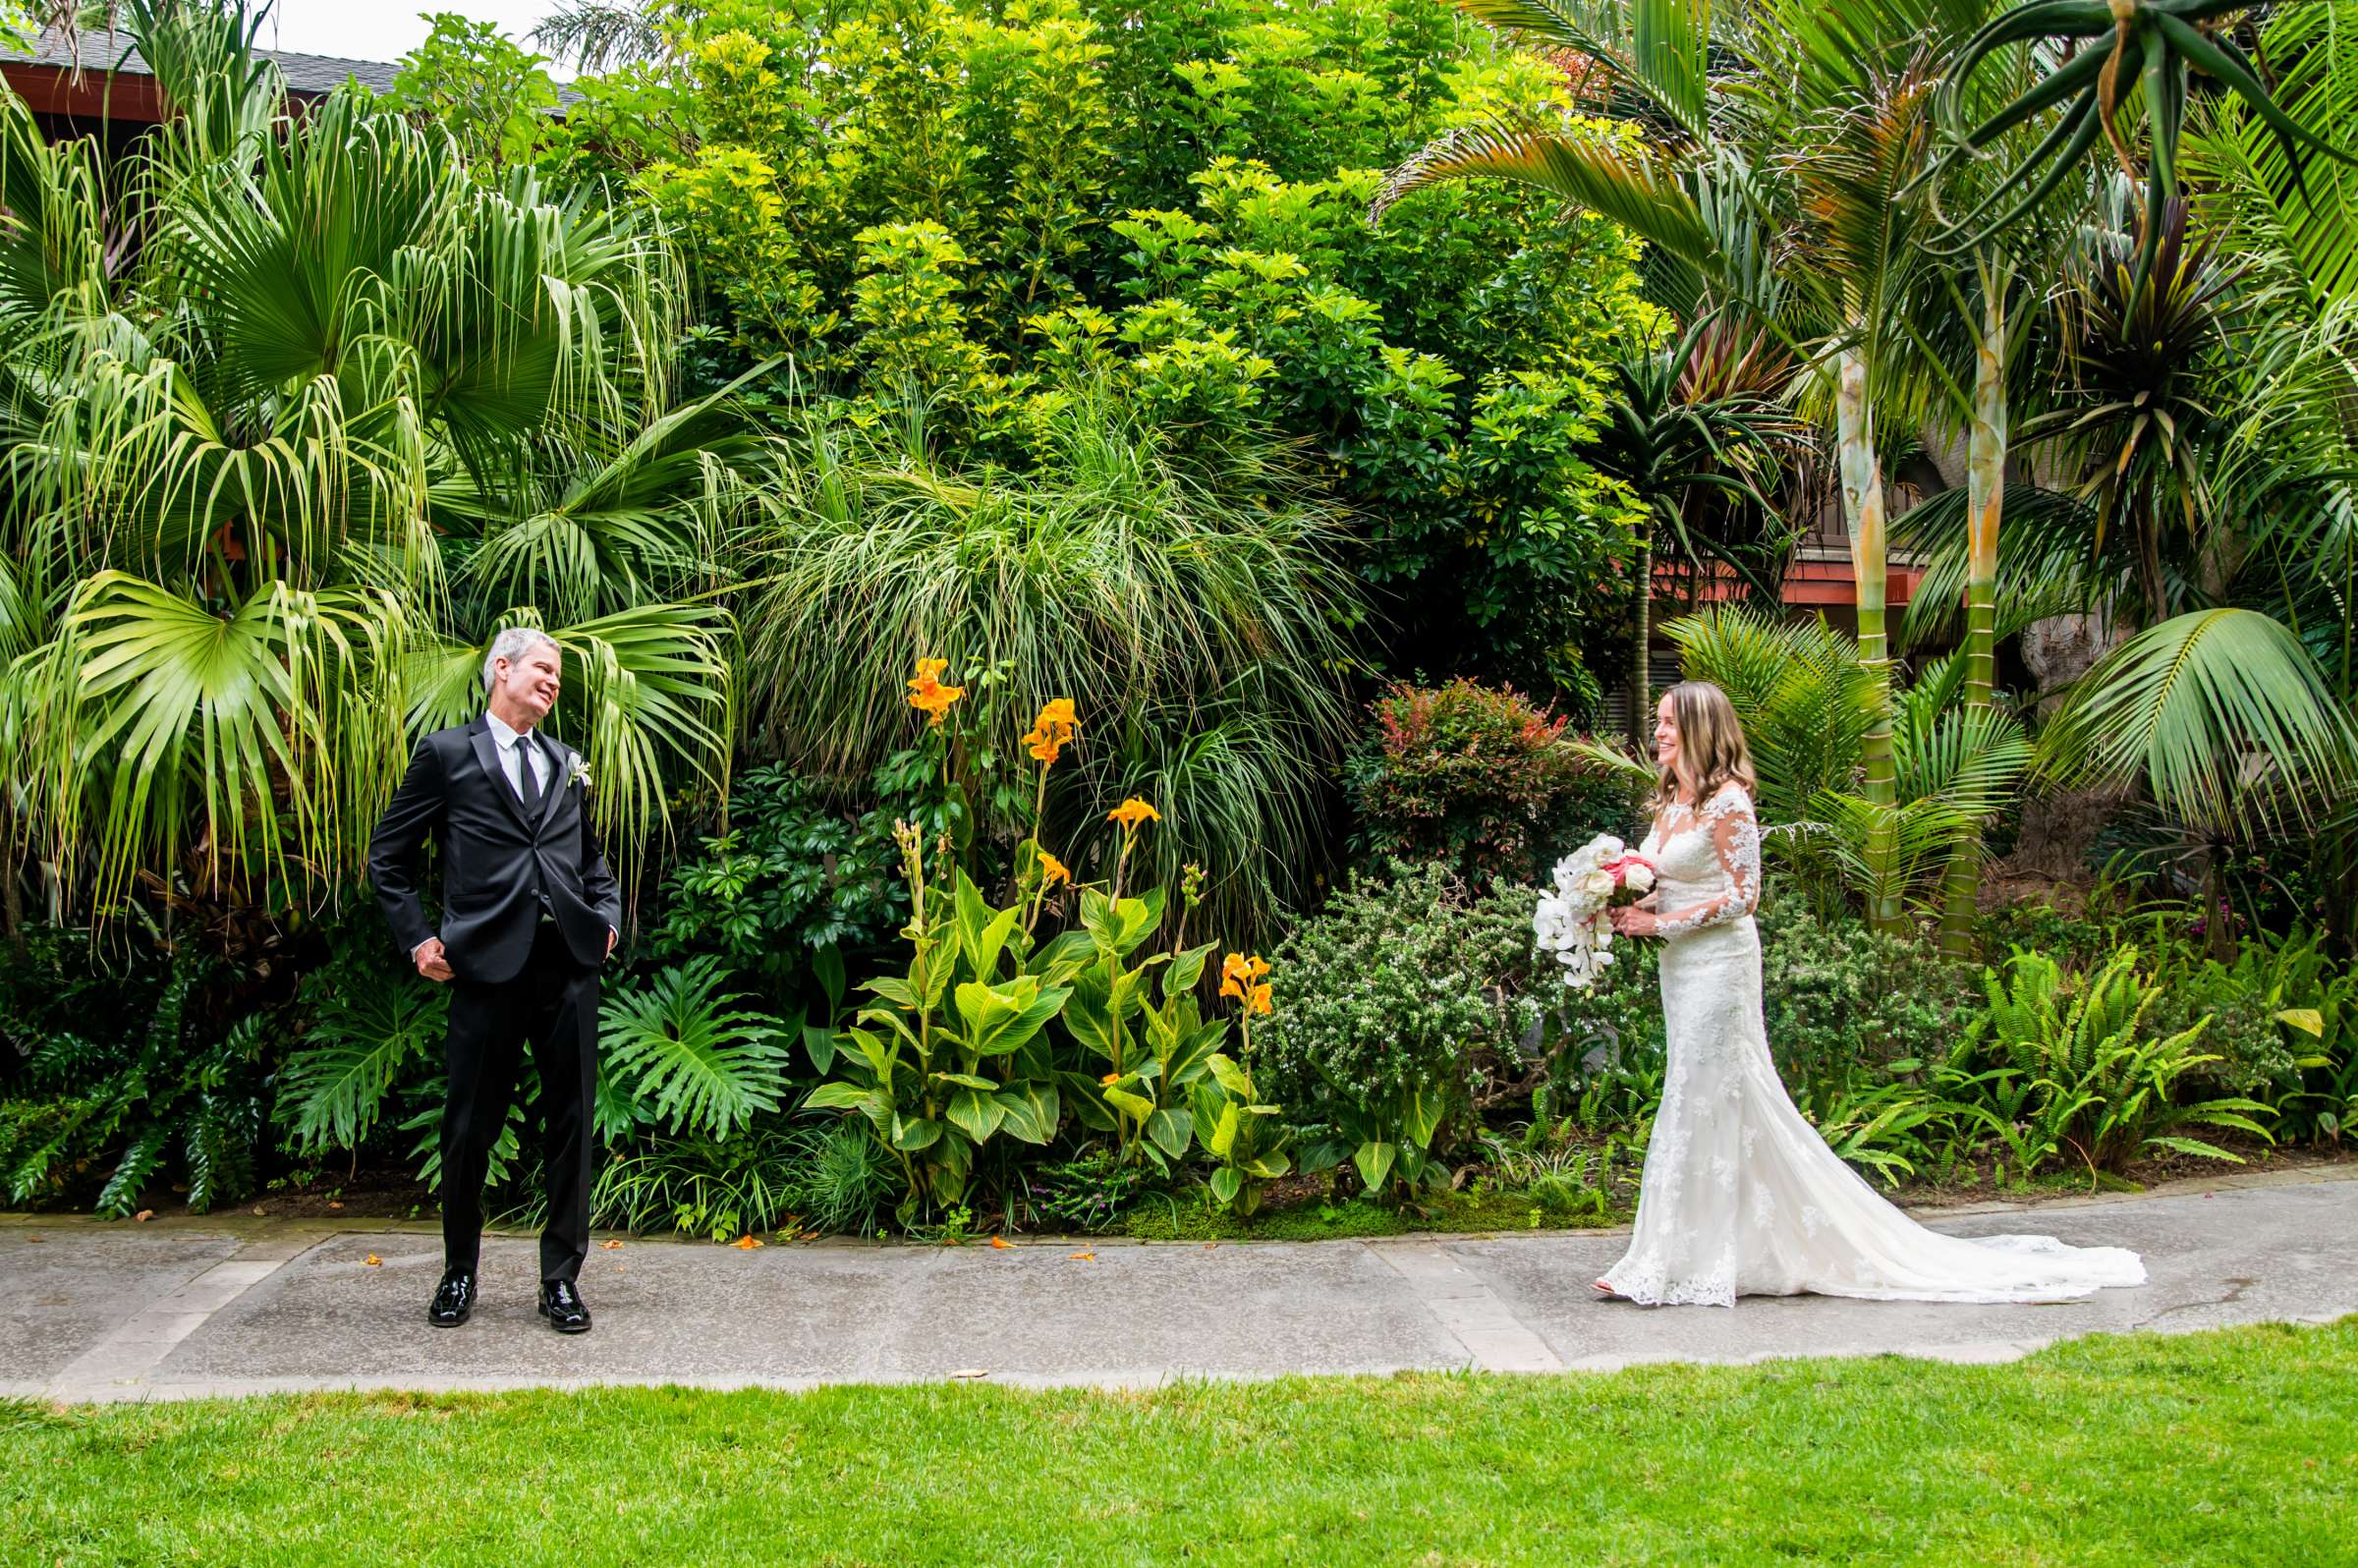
1740 1196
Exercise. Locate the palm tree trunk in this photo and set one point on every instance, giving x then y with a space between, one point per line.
1984 498
1863 514
11 893
1641 679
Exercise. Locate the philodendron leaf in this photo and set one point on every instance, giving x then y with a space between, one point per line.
1374 1161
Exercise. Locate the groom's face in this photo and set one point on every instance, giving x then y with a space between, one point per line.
530 682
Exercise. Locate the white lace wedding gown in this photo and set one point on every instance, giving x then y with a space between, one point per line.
1740 1196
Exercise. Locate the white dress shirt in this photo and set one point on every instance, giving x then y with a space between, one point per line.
513 755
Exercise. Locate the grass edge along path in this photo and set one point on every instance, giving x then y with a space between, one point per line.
2232 1446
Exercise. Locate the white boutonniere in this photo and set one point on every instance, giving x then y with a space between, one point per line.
581 770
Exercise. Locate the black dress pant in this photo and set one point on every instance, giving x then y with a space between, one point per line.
553 1004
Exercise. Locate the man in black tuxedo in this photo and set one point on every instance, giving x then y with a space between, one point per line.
530 912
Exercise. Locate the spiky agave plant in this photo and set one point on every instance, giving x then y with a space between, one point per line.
2136 430
2154 45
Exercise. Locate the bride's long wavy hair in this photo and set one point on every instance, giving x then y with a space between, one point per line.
1711 742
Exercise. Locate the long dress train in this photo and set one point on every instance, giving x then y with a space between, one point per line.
1740 1196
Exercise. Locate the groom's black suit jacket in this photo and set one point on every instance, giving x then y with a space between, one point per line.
498 869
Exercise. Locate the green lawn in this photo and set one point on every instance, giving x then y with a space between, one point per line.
2238 1447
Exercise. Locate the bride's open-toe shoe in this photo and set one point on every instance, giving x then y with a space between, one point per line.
1604 1291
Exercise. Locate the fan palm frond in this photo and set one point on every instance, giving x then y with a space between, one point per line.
264 728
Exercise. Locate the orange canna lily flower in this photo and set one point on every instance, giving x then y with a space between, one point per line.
1131 813
1052 871
1238 972
1110 1079
1052 731
1260 1001
928 694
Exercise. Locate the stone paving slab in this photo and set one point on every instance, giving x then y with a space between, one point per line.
2232 1257
61 1292
188 1310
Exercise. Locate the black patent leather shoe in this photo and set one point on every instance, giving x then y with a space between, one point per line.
563 1307
454 1300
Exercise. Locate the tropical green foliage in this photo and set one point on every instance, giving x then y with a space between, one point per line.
1007 210
793 888
174 1094
2093 1079
1402 1010
951 1052
1200 621
1478 778
471 81
1807 701
370 1026
1052 346
2158 42
287 451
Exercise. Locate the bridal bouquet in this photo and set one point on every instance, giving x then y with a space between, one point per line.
1571 922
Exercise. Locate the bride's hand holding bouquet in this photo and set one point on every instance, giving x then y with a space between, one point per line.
1634 919
1595 889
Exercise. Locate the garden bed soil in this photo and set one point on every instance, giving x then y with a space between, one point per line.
1302 1207
2171 1167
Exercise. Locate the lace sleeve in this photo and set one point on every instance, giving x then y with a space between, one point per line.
1736 842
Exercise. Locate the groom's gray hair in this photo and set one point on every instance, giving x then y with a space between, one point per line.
512 644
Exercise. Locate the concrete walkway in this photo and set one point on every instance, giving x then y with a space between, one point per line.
238 1305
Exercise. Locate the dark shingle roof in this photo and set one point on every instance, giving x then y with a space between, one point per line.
104 52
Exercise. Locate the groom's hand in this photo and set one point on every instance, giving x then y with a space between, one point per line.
612 936
431 962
